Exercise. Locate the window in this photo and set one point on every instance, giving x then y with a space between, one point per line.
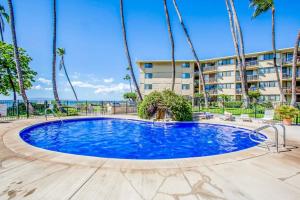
226 62
289 57
268 56
270 98
265 84
148 75
185 86
148 86
267 70
148 65
185 65
225 86
186 75
225 74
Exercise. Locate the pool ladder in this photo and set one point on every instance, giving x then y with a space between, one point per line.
268 143
46 115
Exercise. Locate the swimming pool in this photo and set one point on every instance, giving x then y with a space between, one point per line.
134 139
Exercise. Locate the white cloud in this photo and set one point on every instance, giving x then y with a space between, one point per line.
44 80
48 89
37 87
108 80
120 87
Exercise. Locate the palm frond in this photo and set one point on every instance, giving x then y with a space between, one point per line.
261 6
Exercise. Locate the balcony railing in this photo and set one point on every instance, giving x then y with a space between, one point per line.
210 68
212 92
252 63
252 77
211 80
288 76
288 90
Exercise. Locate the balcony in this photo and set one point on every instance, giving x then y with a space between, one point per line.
211 80
288 90
252 78
252 64
212 92
289 76
210 68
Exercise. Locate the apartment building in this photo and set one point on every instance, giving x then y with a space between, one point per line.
222 75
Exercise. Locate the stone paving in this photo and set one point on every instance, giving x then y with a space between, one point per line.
27 172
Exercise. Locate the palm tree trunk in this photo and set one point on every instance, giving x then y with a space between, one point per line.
172 44
68 78
130 85
294 72
193 51
282 97
17 57
1 32
55 93
237 33
127 51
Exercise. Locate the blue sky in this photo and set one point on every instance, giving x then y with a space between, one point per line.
90 31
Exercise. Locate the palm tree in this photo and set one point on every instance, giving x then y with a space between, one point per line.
294 75
172 44
262 6
238 42
17 57
55 93
62 52
128 78
193 51
127 51
4 15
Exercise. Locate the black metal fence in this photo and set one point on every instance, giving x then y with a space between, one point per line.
10 110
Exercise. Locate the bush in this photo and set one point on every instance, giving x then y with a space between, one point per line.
131 96
179 107
287 112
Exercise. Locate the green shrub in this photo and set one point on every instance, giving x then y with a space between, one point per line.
287 112
180 107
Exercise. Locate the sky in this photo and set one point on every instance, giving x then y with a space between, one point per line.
90 31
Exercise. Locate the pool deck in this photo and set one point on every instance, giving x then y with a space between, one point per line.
27 172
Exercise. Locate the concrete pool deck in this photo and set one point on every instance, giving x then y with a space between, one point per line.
27 172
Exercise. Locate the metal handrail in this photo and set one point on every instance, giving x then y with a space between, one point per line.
46 116
265 127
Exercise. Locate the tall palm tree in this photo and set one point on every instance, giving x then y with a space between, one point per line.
172 44
127 51
17 57
193 51
238 42
128 78
55 93
294 71
62 52
4 15
262 6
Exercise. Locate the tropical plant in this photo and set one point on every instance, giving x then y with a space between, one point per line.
54 84
4 15
287 112
254 95
127 51
238 42
294 71
17 57
260 7
8 71
202 80
179 107
172 44
62 52
131 96
128 78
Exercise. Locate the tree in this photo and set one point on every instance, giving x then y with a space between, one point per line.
254 95
128 78
260 7
130 96
4 15
54 85
193 51
8 71
17 57
294 71
127 51
62 52
238 42
172 44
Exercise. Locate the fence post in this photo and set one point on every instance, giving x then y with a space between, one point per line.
114 108
27 109
126 107
18 113
223 107
86 108
255 111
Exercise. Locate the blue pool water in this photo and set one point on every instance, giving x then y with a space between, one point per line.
130 139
